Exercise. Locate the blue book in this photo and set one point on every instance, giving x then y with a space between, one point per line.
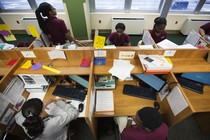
99 61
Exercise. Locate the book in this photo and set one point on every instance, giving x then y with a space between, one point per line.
104 82
85 62
104 102
167 44
155 64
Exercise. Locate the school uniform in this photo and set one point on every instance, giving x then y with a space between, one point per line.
161 37
55 126
206 28
122 40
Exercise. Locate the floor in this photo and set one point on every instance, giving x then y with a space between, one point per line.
107 130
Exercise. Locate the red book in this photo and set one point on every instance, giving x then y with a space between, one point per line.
85 62
11 62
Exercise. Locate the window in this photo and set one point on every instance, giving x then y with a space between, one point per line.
109 4
184 5
145 5
58 4
15 5
26 5
206 6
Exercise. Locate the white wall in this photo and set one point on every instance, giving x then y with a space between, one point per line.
106 19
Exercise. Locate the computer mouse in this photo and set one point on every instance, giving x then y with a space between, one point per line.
81 107
156 105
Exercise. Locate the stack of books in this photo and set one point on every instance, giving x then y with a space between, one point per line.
104 102
155 64
104 82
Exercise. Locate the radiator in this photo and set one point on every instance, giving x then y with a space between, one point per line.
134 26
30 21
192 24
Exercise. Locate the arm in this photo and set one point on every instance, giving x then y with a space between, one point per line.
70 37
202 32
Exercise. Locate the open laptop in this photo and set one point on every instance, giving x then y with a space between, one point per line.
152 80
201 77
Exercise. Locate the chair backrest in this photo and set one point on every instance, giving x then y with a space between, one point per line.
46 41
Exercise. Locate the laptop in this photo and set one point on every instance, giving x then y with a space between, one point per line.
201 77
152 80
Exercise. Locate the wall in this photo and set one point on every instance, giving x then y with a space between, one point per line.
106 19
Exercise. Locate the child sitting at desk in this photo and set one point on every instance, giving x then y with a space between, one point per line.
158 32
119 38
39 125
149 126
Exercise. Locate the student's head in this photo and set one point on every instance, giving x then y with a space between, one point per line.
31 110
160 24
120 28
44 10
149 118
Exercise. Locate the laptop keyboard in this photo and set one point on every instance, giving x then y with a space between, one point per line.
70 93
141 92
191 85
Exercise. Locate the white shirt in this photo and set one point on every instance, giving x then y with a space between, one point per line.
55 126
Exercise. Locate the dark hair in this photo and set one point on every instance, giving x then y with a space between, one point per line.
33 123
43 8
120 26
159 21
150 117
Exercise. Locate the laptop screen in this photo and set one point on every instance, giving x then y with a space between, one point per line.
201 77
151 80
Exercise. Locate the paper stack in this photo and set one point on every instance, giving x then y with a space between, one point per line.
104 102
155 64
104 82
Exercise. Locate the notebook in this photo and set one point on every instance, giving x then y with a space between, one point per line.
201 77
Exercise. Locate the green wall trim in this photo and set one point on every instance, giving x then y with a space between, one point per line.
77 17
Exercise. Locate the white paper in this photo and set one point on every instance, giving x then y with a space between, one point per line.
28 54
51 108
192 38
56 54
39 95
99 53
164 92
126 54
169 52
19 103
3 103
147 39
76 105
146 46
187 46
167 44
7 117
121 69
104 101
176 101
91 104
14 90
33 80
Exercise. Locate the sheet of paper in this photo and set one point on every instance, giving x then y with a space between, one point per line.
91 104
14 90
7 117
28 54
147 39
39 95
126 54
33 80
76 105
4 102
146 46
99 42
167 44
192 38
19 103
6 33
99 53
104 101
56 54
176 101
51 108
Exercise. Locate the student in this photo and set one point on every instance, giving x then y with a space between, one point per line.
119 38
205 31
53 27
39 125
149 126
158 32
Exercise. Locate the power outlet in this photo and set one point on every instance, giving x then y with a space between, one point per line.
99 21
